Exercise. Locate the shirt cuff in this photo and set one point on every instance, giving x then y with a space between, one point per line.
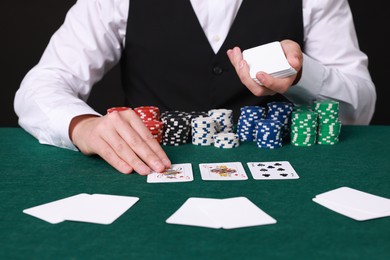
61 118
309 86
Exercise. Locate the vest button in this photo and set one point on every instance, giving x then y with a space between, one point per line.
217 70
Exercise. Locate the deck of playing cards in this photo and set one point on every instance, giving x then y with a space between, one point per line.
355 204
268 58
220 213
95 208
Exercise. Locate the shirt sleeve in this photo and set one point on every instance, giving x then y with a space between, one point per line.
333 66
81 51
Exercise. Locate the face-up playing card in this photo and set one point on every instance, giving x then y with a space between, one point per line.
227 171
278 170
177 173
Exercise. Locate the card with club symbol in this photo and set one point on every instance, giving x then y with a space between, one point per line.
278 170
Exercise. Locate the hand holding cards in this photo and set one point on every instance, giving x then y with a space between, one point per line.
268 58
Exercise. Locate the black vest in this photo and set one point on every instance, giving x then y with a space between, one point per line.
168 61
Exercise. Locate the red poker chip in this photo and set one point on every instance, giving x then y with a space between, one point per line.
152 127
154 123
147 113
147 108
156 128
156 133
150 115
112 109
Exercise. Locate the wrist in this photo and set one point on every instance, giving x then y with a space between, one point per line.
297 78
77 123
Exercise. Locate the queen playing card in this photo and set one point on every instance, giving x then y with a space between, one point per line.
227 171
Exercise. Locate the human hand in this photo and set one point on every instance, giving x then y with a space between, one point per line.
269 85
121 139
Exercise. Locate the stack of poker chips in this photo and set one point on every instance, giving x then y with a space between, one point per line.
150 115
269 134
195 114
247 122
223 119
226 140
329 125
303 127
203 130
177 127
156 128
281 111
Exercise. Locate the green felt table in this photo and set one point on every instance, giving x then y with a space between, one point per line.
33 174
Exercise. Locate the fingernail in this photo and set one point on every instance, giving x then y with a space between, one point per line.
144 170
261 78
166 162
158 166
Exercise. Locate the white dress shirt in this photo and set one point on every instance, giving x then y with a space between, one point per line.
91 40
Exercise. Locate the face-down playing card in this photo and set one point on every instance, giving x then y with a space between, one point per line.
51 211
98 208
177 173
355 204
226 171
277 170
95 208
220 213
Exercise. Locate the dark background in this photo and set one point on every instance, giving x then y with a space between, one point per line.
28 25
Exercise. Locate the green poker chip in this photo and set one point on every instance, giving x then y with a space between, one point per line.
329 125
315 124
